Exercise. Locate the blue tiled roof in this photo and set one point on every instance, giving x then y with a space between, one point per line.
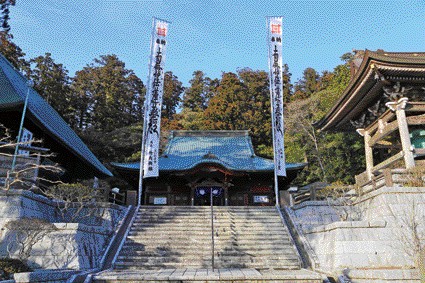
230 149
13 90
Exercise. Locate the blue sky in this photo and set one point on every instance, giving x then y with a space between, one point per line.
215 35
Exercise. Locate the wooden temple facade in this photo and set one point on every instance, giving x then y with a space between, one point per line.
196 163
384 103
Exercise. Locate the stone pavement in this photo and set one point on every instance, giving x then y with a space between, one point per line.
208 275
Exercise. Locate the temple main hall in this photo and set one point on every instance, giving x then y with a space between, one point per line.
195 163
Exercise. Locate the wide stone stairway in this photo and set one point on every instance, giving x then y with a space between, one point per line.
250 241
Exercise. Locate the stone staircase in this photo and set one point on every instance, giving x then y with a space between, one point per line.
166 237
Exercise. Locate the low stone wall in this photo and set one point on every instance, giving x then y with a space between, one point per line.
392 203
380 240
72 245
44 276
310 214
356 244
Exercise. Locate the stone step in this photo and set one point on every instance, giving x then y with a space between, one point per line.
170 237
188 252
218 242
205 234
224 257
206 248
136 275
202 218
219 264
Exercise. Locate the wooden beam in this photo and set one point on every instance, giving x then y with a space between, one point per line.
419 151
416 120
385 117
415 107
384 164
388 129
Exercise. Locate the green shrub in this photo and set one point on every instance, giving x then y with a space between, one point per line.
8 266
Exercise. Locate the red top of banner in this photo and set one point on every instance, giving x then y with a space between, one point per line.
161 31
276 28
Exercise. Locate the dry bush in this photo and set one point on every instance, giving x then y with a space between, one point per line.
341 197
74 201
415 177
24 234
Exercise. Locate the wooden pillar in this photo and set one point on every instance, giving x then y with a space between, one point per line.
403 128
192 195
368 152
226 195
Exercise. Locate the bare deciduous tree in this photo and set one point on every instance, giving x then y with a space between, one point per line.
342 198
25 172
74 201
410 233
25 233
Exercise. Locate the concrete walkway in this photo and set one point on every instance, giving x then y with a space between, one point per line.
203 275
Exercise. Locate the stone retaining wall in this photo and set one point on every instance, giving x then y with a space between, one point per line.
378 241
73 245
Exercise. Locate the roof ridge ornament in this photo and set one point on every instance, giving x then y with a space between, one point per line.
210 155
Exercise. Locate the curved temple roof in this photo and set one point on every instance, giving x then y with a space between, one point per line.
230 149
377 69
13 91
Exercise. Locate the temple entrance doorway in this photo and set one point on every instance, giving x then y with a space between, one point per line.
203 195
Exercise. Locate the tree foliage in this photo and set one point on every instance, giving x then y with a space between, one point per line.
306 86
51 81
173 88
197 96
330 156
106 95
10 50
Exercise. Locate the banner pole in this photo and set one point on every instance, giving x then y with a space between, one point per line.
274 42
149 166
145 111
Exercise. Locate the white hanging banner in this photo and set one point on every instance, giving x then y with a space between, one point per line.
274 41
151 132
26 138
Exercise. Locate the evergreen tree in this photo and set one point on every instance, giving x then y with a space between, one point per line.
242 102
197 96
287 86
330 156
4 7
305 87
10 50
106 95
51 81
173 88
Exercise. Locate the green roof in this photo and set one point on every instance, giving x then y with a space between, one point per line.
230 149
12 93
8 98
